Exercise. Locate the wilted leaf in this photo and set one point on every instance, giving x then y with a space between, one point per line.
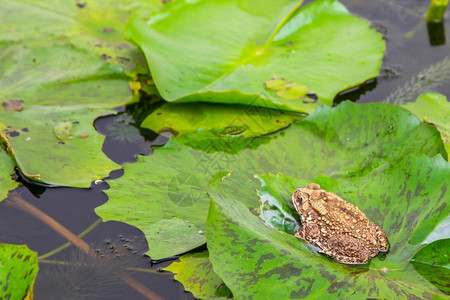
221 62
18 270
171 182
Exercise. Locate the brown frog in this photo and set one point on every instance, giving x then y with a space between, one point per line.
337 227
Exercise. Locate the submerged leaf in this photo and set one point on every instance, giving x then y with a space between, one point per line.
323 143
229 120
18 270
222 63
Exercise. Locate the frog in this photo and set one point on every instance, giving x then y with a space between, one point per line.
338 228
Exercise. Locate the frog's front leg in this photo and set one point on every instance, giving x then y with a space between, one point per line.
308 232
382 241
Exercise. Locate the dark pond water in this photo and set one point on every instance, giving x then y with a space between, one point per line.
414 63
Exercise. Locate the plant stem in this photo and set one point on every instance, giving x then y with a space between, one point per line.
436 10
18 202
62 247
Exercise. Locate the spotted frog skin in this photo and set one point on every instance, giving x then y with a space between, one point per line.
340 229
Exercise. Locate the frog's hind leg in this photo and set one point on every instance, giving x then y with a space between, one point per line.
343 259
347 249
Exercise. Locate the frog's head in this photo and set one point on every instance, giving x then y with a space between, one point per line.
301 198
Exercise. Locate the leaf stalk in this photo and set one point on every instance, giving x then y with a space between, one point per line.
436 10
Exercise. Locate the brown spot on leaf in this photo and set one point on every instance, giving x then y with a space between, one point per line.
13 105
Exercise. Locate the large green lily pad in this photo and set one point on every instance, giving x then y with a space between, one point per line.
320 46
171 182
195 272
435 109
408 199
57 145
65 54
96 26
60 75
18 270
6 170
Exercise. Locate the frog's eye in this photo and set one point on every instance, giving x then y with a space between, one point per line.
303 196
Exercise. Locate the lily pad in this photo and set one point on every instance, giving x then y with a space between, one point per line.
189 236
60 75
408 199
6 170
44 156
18 270
96 26
221 62
432 262
434 109
225 120
194 271
325 142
